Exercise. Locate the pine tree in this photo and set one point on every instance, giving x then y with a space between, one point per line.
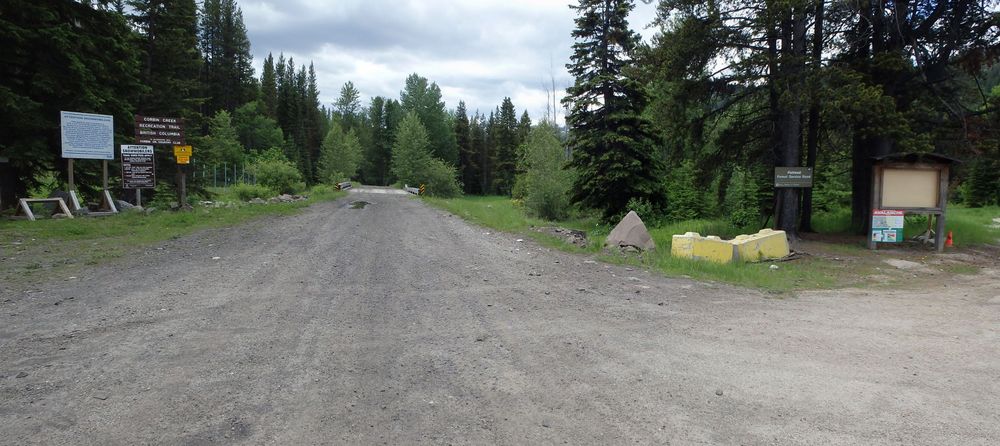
609 138
169 30
480 152
507 139
269 87
466 153
222 144
50 65
228 70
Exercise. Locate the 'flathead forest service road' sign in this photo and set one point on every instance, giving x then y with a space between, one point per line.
793 177
138 169
157 130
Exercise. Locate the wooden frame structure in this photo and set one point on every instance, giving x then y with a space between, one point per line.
26 208
922 172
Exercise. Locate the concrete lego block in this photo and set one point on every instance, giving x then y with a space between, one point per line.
767 244
764 245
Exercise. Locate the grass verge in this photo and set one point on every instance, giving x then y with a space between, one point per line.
835 265
29 249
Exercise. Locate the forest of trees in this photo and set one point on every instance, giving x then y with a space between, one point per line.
688 125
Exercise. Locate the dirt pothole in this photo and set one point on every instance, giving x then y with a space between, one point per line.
359 204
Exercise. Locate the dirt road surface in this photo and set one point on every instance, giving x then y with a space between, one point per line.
398 324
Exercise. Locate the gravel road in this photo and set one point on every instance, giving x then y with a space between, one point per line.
399 324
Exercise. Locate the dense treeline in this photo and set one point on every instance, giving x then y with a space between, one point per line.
688 125
174 58
753 85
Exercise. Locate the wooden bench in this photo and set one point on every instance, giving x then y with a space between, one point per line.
24 207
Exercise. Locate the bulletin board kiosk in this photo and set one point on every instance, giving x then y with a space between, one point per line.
904 184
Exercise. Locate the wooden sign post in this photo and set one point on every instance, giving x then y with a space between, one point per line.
915 183
164 131
183 154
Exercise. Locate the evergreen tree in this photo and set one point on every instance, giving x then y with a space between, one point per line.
269 87
383 118
685 199
221 145
340 156
609 137
228 70
48 65
506 138
169 30
480 152
466 154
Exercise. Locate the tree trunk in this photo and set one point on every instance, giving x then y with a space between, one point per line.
813 131
789 117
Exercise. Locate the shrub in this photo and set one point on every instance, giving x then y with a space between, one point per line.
741 203
684 200
441 181
647 211
545 184
247 192
279 175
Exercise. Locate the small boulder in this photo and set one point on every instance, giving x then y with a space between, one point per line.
631 233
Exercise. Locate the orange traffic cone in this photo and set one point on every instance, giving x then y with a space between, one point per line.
948 242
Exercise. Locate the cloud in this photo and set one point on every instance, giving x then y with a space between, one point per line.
477 51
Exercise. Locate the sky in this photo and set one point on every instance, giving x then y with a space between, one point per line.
478 51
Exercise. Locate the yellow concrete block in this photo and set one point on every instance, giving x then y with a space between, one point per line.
765 245
683 245
713 249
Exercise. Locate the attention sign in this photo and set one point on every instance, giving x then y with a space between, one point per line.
793 177
887 226
156 130
138 168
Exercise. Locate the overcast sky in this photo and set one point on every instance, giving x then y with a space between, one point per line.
478 51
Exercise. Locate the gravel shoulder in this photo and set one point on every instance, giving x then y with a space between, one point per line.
400 324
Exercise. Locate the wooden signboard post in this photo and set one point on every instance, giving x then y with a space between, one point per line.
183 154
914 183
158 130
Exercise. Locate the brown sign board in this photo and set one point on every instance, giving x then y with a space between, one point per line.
793 177
138 168
158 130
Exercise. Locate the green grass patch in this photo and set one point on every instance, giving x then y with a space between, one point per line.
970 226
502 214
49 245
